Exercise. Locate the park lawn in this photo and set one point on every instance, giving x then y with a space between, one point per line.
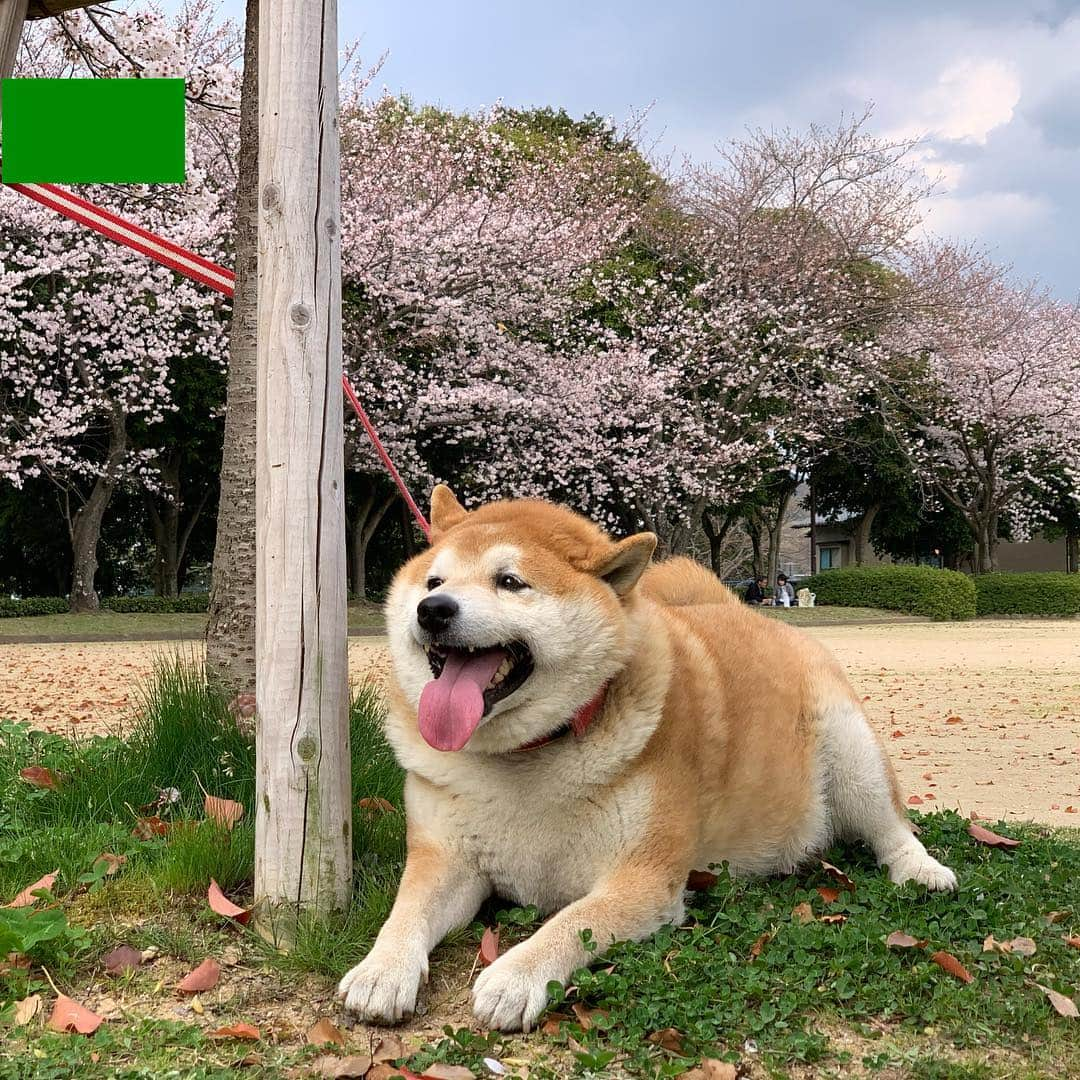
140 626
839 616
744 979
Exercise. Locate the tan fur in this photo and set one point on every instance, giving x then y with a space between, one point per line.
724 736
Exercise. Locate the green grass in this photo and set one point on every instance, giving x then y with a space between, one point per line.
140 626
102 626
839 616
184 741
825 998
148 1050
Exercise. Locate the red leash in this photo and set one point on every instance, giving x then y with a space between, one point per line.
198 269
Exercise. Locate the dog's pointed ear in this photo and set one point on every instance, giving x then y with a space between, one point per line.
446 511
625 562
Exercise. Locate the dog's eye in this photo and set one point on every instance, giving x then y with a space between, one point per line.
510 582
433 583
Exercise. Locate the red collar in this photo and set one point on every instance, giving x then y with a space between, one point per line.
578 723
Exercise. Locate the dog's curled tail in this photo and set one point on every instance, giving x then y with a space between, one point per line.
682 582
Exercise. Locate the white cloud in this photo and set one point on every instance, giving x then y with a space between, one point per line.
995 214
971 99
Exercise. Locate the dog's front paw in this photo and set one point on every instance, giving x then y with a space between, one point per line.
509 995
382 989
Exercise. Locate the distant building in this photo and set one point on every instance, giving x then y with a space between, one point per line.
835 548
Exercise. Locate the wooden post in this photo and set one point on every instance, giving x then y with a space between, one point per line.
12 17
303 824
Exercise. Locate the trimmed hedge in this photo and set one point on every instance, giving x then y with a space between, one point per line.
32 605
916 590
1028 594
194 603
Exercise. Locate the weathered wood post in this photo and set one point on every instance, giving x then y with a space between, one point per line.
12 17
303 843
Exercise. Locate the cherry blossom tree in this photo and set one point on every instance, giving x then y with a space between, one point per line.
989 397
465 239
772 273
88 330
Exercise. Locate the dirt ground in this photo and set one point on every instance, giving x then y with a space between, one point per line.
981 716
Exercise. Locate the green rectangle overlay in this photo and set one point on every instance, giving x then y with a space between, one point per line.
93 131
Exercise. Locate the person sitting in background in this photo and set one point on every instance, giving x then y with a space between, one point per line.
785 591
755 591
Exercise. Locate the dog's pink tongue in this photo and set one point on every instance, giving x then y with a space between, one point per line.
452 706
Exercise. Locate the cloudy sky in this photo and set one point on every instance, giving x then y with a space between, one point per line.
993 85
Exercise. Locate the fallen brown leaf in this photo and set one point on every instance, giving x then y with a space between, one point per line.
990 839
204 977
1022 945
829 895
146 828
122 959
948 962
953 720
353 1067
70 1016
1056 916
224 811
838 876
376 805
803 913
27 1009
586 1016
40 777
710 1069
914 800
383 1071
440 1071
245 1032
220 904
668 1039
1073 941
899 940
489 946
324 1031
552 1024
388 1048
1063 1006
27 897
755 949
112 862
838 917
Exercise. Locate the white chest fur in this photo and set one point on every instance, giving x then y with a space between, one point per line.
533 825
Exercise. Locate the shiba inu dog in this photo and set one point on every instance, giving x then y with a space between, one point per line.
581 730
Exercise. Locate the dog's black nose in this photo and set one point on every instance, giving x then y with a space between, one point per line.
434 613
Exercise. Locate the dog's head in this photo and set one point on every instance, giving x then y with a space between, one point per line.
511 621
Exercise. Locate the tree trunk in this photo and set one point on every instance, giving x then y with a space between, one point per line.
861 537
303 805
716 535
364 525
1072 551
813 529
776 531
84 527
985 530
165 526
755 529
230 627
171 531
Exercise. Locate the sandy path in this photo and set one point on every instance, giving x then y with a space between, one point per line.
1015 687
1012 691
